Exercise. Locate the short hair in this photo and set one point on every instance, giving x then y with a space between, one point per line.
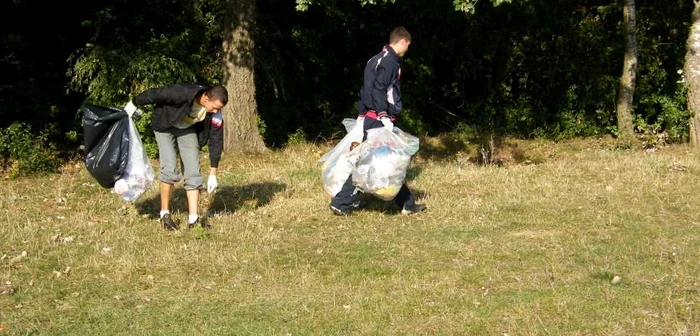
217 92
399 33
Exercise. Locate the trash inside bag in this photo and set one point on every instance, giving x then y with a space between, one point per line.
139 175
384 160
106 140
340 161
114 153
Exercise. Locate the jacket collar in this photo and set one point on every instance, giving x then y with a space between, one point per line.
391 51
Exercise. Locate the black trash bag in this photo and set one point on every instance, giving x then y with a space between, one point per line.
106 140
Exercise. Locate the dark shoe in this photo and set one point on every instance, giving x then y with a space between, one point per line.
339 212
357 205
167 222
199 222
193 225
416 208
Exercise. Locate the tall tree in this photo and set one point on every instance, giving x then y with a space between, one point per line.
692 75
628 80
241 126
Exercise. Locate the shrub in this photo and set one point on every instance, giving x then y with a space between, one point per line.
298 137
24 153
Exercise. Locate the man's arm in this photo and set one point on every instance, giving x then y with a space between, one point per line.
170 95
216 141
394 98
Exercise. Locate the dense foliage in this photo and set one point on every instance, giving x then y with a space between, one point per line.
528 68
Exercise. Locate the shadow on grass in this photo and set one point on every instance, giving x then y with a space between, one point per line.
412 172
442 148
372 203
226 199
231 198
482 149
151 206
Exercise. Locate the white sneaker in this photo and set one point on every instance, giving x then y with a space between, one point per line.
416 208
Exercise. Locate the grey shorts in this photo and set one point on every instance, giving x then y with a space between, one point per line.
184 141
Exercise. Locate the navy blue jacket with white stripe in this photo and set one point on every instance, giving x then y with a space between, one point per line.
381 89
173 103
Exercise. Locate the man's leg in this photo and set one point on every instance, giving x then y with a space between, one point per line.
192 206
404 199
341 203
406 202
189 152
168 175
166 191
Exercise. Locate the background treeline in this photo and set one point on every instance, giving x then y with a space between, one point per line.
535 68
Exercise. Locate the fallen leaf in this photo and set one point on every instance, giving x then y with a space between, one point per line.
18 258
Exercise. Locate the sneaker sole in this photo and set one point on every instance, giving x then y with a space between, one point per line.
411 212
338 212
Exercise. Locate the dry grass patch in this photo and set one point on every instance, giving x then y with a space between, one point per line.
526 248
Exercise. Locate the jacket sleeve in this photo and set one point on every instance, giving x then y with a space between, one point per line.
169 95
216 139
382 83
394 98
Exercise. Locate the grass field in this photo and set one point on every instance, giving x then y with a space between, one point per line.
528 247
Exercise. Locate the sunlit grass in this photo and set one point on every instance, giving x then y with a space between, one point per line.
522 248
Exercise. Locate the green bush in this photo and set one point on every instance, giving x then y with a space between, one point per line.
665 114
298 137
148 138
24 153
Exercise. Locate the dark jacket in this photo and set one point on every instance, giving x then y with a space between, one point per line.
381 89
173 103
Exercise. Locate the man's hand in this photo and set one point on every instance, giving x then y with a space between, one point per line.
212 184
130 108
387 123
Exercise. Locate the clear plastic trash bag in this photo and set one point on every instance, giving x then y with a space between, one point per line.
139 175
339 162
384 160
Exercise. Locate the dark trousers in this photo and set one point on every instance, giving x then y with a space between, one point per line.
347 194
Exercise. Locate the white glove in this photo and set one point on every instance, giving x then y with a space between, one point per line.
212 184
130 108
387 124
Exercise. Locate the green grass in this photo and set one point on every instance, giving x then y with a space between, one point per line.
518 249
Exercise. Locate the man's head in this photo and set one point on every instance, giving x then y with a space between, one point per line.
399 40
214 98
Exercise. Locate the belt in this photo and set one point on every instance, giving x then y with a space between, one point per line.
374 115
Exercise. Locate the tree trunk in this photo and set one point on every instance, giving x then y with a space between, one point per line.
692 75
240 114
628 80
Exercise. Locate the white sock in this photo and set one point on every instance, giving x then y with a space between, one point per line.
193 218
163 212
